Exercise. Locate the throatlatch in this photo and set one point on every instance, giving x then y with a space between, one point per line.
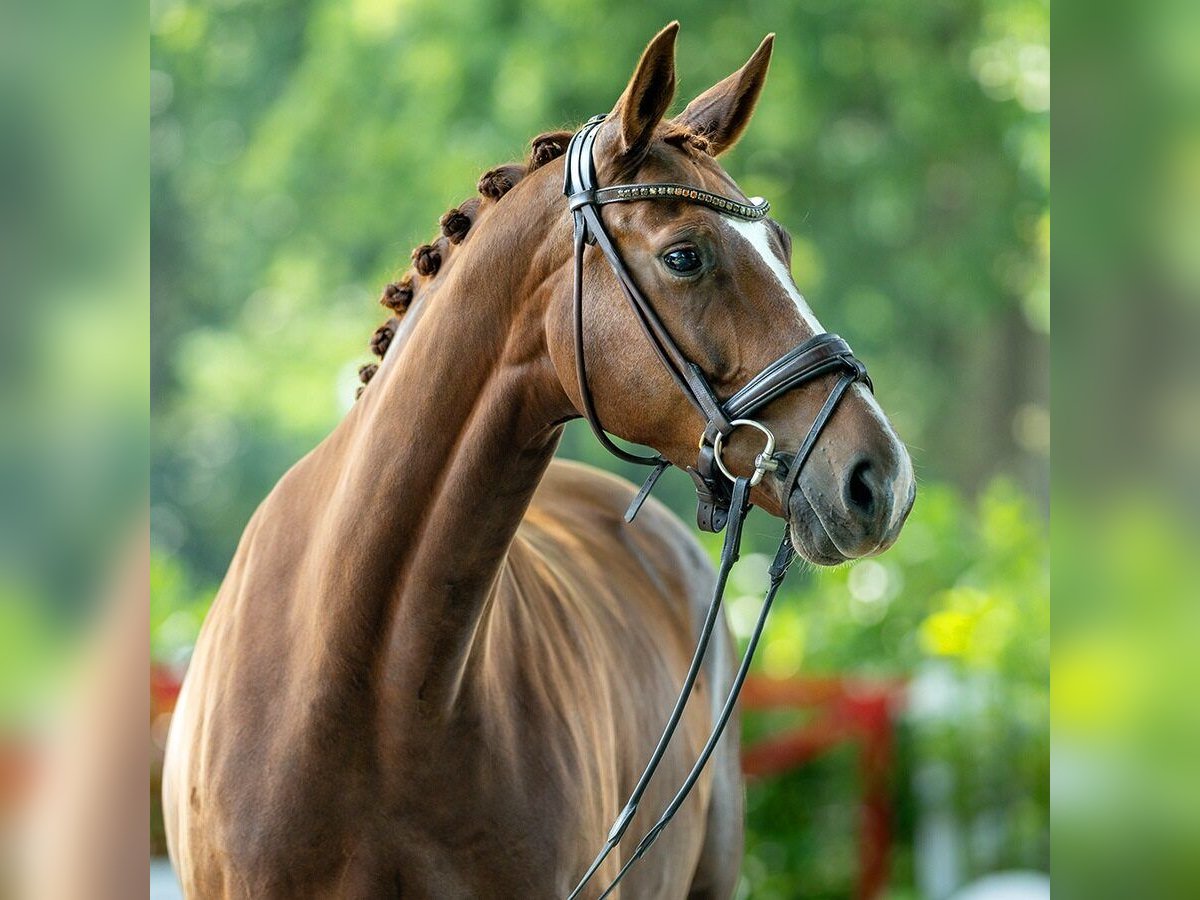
723 498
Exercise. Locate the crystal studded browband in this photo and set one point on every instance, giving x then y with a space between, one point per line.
624 193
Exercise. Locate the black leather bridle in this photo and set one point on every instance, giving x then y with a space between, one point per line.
723 498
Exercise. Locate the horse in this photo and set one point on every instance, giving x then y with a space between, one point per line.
440 657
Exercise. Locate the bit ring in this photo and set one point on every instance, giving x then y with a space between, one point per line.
763 463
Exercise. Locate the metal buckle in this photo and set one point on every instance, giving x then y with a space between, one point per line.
763 463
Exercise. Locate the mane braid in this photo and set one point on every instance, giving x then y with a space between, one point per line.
430 260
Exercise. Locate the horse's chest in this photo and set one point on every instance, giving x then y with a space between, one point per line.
512 797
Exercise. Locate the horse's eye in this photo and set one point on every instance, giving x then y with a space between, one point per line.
684 260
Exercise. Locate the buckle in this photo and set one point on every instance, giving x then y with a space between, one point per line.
586 197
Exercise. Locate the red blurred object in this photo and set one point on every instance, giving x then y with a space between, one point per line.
164 693
164 689
844 711
18 766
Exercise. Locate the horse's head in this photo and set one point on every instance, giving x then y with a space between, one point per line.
722 288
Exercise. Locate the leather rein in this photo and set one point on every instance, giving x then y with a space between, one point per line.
723 498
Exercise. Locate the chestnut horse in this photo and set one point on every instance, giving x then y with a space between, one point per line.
440 659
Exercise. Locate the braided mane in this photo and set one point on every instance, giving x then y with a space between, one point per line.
455 225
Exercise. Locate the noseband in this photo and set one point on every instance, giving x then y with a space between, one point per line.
723 498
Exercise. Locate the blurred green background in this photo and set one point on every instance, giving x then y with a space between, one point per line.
300 149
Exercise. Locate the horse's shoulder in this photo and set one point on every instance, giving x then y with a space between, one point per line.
588 504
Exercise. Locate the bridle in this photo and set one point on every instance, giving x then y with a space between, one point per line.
819 355
723 498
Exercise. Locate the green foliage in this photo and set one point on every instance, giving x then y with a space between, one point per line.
960 608
1127 726
177 609
968 586
31 656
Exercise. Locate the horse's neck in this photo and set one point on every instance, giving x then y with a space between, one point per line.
436 466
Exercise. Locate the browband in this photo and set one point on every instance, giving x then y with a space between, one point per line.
626 193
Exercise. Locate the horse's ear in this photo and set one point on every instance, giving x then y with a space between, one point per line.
722 112
647 95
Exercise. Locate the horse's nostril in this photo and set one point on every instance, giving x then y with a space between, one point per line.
860 490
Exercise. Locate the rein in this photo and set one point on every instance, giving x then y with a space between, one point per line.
723 498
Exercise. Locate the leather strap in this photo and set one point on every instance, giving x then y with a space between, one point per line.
585 201
730 550
810 440
626 193
815 357
585 391
647 486
689 378
712 498
783 559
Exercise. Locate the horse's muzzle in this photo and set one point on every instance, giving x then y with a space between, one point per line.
842 515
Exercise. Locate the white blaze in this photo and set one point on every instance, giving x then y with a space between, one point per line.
757 235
